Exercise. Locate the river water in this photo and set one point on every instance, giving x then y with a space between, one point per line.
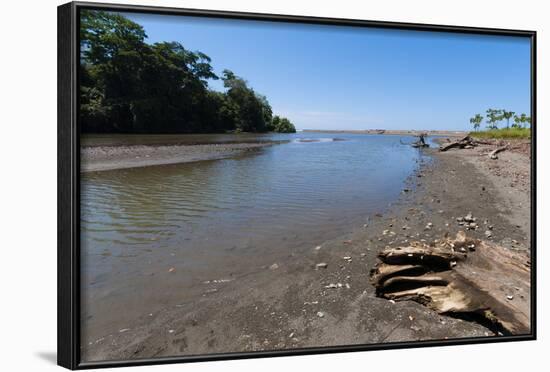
149 235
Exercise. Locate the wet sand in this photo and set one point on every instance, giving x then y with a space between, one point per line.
292 304
100 158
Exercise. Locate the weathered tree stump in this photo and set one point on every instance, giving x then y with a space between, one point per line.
460 276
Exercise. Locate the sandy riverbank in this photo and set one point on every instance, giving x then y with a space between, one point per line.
101 158
287 304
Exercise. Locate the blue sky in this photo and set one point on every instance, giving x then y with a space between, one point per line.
327 77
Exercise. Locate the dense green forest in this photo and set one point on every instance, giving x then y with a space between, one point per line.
129 86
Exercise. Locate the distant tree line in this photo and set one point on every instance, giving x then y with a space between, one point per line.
494 117
129 86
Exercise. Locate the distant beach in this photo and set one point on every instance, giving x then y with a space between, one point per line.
397 132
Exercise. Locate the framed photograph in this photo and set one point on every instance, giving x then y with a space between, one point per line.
237 185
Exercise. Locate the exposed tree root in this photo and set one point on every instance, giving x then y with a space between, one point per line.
460 277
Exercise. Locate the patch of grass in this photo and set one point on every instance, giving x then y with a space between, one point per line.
503 133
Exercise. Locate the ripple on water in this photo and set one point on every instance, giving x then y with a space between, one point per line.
306 189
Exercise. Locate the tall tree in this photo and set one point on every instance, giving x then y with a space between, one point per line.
517 122
493 118
285 126
129 86
476 121
521 120
252 109
507 115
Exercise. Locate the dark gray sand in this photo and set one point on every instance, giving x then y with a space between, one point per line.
294 304
100 158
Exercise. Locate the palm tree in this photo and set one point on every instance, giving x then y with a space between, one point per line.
522 119
476 121
517 121
493 117
507 115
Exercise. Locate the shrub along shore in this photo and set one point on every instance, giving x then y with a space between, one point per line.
504 133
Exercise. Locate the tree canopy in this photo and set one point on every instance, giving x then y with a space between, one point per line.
476 121
282 125
495 116
129 86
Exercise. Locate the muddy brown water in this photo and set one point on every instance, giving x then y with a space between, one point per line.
150 236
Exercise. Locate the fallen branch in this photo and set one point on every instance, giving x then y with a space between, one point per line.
460 276
493 154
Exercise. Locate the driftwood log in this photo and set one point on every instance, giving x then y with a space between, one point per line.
461 277
466 142
493 154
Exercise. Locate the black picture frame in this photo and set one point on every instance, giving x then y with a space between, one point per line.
68 320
